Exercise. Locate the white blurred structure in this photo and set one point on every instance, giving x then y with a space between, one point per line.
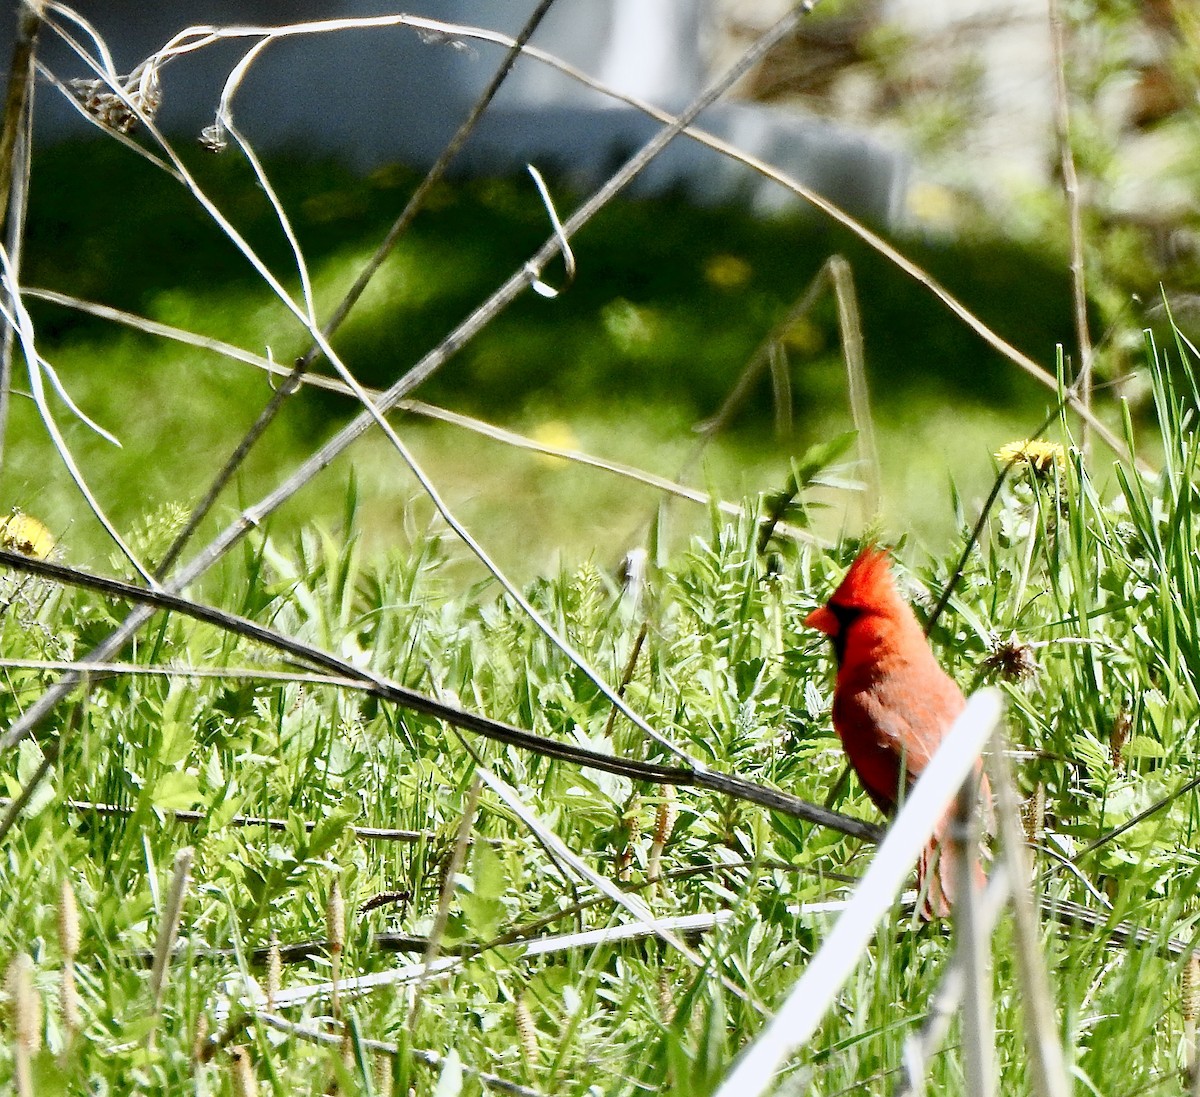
383 95
1006 45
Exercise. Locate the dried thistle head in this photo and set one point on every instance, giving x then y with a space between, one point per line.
1011 659
1042 459
139 91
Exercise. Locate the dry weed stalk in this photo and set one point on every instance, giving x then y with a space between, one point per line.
168 929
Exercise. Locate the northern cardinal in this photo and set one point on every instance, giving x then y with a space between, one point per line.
892 704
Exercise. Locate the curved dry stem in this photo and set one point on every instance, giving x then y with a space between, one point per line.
15 313
432 361
416 407
149 602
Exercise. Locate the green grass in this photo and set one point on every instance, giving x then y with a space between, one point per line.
1095 568
1105 580
669 304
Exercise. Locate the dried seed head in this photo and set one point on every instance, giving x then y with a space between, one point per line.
68 922
335 918
274 972
631 821
666 1000
383 1076
633 818
140 91
1191 988
1011 659
1118 737
25 1004
668 812
1033 815
526 1031
244 1082
68 1002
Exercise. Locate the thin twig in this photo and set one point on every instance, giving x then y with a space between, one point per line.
251 674
17 318
352 296
515 48
921 1047
500 299
630 902
1141 816
17 95
415 407
441 919
426 1058
1062 121
758 361
626 676
200 511
1042 1033
984 512
168 929
15 155
366 834
971 942
711 780
872 239
850 326
689 925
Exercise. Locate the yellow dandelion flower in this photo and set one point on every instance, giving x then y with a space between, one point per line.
727 271
1040 457
804 337
557 435
25 534
933 206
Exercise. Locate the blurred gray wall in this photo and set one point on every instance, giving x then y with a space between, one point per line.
373 96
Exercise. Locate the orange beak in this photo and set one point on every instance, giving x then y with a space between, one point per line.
823 619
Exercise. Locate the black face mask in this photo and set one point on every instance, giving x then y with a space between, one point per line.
846 616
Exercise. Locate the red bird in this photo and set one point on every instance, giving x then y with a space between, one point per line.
892 704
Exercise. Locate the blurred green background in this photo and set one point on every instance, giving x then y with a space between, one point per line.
670 303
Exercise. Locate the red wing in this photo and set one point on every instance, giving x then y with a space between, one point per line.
887 723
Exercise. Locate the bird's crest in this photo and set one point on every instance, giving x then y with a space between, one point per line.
868 583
